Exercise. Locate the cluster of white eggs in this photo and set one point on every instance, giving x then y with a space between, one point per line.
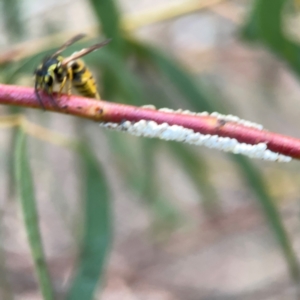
177 133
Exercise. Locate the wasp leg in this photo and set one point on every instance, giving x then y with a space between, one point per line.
37 94
70 77
62 85
50 94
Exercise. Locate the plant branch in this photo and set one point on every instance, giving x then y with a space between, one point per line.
102 111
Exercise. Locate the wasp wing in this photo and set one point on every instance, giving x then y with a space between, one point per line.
68 43
84 52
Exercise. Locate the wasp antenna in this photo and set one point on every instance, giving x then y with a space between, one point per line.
84 52
68 43
74 39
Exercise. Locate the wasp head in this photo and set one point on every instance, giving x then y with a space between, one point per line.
46 76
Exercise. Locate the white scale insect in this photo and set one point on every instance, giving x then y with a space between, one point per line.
177 133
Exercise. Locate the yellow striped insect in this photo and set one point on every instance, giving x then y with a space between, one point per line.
69 70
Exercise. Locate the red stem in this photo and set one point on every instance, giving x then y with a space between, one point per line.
113 112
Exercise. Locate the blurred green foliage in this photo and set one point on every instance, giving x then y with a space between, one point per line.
97 233
121 82
265 25
12 18
25 188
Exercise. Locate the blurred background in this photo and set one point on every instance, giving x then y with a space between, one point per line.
175 221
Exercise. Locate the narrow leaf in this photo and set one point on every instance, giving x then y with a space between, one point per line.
26 193
256 182
109 17
97 235
265 25
12 16
118 79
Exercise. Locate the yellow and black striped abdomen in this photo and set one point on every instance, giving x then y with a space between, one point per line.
83 80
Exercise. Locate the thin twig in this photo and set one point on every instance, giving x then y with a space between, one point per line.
129 23
102 111
36 131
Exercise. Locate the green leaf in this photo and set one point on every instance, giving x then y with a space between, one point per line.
256 182
109 17
26 193
268 26
265 25
11 14
118 79
97 235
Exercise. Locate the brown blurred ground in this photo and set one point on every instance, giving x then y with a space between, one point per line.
232 255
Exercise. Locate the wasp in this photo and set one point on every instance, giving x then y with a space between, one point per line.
70 70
